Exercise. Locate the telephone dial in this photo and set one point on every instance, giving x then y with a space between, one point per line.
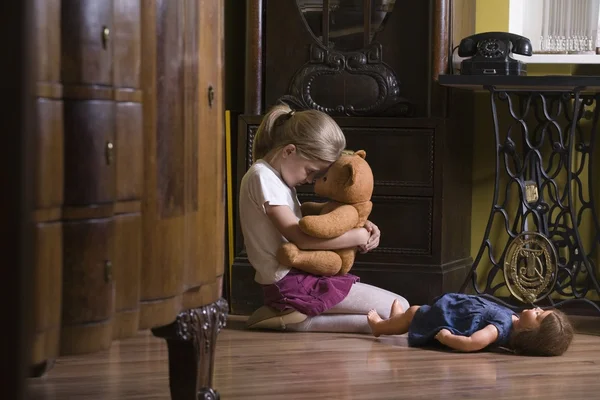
490 54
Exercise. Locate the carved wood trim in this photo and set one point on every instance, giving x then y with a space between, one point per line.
327 62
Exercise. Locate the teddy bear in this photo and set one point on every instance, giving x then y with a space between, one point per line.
348 184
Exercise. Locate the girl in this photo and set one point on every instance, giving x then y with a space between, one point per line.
470 323
292 148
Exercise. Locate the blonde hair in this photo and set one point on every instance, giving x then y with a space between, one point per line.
552 338
315 134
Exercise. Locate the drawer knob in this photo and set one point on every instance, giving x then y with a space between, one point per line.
211 96
109 152
105 36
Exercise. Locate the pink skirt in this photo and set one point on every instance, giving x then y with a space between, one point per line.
306 293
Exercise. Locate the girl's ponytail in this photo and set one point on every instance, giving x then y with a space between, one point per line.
265 139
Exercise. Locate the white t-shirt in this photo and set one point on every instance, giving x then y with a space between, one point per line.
260 185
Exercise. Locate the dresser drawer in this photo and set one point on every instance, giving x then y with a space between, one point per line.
86 42
401 158
90 144
88 254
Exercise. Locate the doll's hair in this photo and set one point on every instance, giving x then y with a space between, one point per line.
552 338
315 134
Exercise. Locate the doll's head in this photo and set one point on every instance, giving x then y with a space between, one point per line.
542 333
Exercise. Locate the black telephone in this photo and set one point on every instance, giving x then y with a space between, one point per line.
490 54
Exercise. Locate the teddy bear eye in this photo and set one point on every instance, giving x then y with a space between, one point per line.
325 178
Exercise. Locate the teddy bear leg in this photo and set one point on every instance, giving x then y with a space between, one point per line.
347 256
318 262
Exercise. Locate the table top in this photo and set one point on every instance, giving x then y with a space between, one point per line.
525 83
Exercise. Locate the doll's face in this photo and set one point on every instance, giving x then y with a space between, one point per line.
532 318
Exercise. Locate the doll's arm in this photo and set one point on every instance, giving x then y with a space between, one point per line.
311 208
477 341
332 224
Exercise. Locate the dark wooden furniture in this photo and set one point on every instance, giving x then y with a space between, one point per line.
129 176
16 202
545 192
380 84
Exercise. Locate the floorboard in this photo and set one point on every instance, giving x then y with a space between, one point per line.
273 365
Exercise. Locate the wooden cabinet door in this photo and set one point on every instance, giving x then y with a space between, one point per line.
183 207
126 43
86 42
90 154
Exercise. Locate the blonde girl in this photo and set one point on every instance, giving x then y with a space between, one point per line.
292 148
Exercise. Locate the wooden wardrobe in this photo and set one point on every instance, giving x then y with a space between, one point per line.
372 65
129 177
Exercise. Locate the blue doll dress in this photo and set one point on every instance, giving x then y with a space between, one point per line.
461 314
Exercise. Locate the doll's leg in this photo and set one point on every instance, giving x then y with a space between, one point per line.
363 297
395 325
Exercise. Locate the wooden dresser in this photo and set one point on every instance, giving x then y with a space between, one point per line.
129 180
372 65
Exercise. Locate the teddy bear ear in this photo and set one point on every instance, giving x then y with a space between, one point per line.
361 153
350 173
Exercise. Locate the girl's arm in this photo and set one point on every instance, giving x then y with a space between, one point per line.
477 341
286 222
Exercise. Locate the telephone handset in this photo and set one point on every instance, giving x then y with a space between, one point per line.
491 52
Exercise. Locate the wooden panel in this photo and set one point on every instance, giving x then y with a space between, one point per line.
129 151
47 28
89 164
126 45
127 263
162 236
47 291
49 173
210 219
170 153
86 49
406 225
410 149
88 286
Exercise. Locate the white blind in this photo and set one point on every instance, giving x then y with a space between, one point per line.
557 26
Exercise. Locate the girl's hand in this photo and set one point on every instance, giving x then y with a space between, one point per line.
373 241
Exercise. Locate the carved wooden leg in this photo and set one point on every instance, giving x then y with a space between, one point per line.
191 341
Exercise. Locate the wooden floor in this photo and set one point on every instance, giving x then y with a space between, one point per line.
271 365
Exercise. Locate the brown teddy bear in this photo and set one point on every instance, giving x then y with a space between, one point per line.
349 185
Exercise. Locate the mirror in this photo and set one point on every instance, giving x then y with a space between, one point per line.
345 25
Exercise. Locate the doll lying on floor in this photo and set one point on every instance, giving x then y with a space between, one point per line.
471 323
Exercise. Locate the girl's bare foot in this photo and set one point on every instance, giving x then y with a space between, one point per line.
374 319
396 308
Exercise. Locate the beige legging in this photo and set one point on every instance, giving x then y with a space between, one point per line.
349 315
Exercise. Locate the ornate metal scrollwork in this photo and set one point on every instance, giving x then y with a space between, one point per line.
369 63
530 267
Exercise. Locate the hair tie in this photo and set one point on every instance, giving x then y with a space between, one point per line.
291 113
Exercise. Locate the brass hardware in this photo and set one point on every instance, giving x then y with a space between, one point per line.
107 271
530 267
531 192
211 96
105 36
109 152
